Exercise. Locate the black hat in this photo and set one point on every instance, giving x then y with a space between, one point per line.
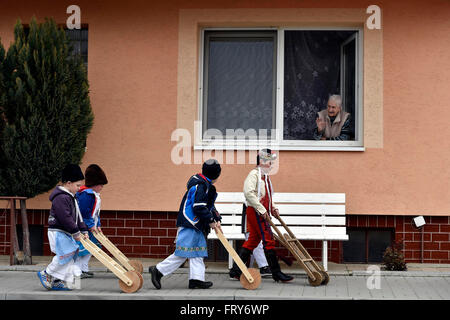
94 176
211 169
72 173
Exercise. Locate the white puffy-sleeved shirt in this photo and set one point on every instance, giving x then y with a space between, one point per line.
251 190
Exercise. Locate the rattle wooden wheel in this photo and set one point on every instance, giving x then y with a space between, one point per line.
326 277
137 265
135 282
256 279
317 281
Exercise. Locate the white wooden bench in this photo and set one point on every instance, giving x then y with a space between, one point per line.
310 216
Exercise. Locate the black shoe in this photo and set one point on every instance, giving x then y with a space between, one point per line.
198 284
244 254
235 274
156 276
265 271
280 276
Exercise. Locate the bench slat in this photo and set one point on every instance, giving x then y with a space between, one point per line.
229 208
292 220
307 230
231 229
285 197
310 209
231 219
229 236
309 197
311 220
237 197
291 209
303 237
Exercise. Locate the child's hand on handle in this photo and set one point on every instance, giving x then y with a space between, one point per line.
81 236
266 216
95 230
276 213
216 226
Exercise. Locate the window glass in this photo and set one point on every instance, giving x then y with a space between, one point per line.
240 93
312 73
239 82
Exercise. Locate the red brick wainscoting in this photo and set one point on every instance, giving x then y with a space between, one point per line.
136 234
152 234
436 241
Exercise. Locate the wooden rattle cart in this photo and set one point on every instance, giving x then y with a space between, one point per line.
316 274
129 281
130 265
250 278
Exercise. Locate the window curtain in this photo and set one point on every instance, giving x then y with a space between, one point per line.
240 84
311 75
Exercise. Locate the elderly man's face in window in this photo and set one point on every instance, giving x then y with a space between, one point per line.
333 108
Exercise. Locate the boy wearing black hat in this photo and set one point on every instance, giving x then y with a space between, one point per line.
196 217
65 226
89 201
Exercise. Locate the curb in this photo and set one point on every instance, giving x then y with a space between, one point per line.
297 273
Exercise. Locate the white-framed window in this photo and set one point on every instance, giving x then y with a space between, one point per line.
265 86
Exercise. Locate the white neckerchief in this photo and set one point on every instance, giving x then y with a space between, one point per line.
269 187
97 208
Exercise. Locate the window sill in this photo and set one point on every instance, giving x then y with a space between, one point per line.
318 146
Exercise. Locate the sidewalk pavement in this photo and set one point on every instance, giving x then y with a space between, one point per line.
347 282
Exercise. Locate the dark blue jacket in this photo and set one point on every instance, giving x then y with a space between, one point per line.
197 208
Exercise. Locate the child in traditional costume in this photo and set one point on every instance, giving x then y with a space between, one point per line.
258 253
89 202
258 193
65 226
196 217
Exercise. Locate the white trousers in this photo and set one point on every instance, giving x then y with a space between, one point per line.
65 272
83 262
173 262
257 255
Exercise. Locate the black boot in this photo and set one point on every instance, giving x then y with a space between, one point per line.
277 275
198 284
156 276
244 254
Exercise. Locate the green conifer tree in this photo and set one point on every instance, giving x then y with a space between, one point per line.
44 107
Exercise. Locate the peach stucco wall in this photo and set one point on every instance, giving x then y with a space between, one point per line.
134 82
